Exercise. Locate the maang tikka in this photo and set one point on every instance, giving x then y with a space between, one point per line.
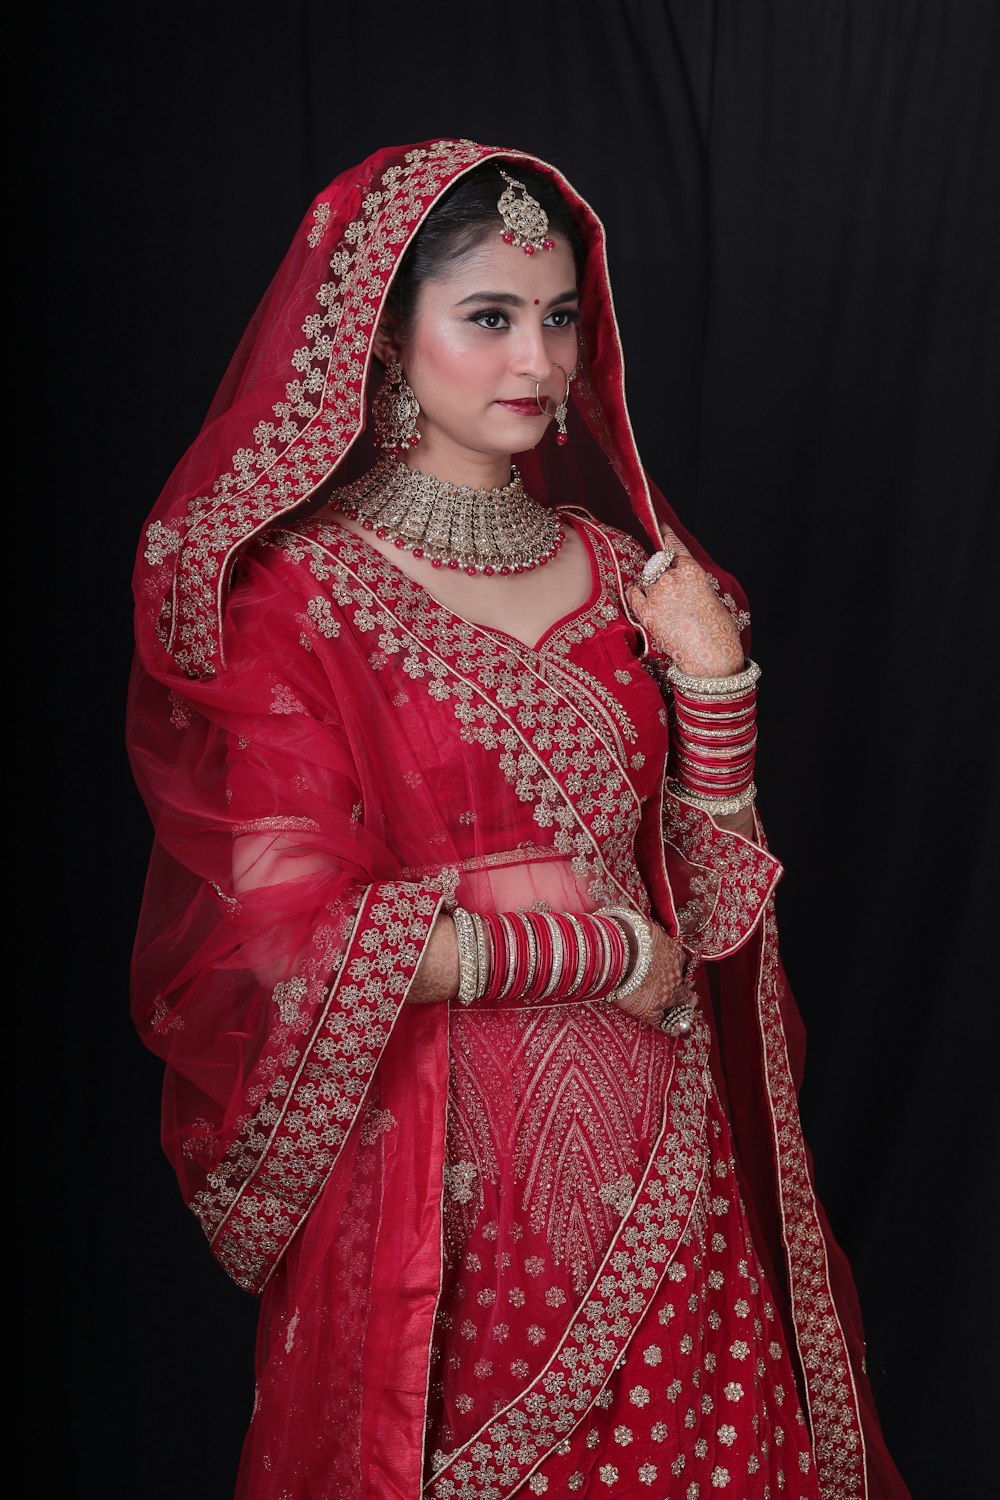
395 410
525 222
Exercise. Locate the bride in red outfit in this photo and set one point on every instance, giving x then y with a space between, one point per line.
458 940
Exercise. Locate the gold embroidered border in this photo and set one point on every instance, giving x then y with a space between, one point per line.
335 361
499 1458
831 1396
256 1198
556 760
742 875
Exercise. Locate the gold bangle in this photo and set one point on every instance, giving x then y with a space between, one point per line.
715 752
715 716
715 687
710 734
720 807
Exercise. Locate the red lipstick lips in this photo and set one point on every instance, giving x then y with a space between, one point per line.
526 405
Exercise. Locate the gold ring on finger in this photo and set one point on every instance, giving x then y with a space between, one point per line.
657 565
676 1019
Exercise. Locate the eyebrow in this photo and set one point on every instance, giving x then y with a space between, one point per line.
510 299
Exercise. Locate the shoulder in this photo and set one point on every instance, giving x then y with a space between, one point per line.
289 586
290 559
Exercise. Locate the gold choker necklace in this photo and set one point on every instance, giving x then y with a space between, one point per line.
453 525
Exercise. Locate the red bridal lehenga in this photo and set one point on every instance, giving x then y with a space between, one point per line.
533 1249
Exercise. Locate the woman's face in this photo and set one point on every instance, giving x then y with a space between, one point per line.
482 335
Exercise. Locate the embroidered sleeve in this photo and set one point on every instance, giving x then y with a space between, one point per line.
719 882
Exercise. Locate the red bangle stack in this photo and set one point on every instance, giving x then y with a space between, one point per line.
550 957
715 738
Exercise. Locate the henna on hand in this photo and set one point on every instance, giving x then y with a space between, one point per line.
437 973
686 619
656 992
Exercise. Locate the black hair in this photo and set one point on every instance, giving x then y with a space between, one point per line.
465 217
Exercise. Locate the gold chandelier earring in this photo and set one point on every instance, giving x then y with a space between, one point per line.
395 410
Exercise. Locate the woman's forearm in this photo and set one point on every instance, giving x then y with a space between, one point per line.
741 822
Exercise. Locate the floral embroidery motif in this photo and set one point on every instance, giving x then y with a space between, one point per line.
547 745
162 541
458 1179
618 1194
259 1192
181 714
321 218
284 701
289 997
321 613
513 1443
375 1122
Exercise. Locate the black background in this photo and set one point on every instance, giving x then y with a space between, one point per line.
804 240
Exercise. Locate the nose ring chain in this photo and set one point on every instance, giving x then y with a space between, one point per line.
561 410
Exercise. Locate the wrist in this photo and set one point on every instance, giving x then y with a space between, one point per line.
544 958
436 976
714 738
640 948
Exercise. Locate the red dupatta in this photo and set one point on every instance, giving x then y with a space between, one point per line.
299 866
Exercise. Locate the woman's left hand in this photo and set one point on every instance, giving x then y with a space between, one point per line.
660 987
686 618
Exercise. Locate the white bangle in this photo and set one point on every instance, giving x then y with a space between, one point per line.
641 931
558 954
720 807
715 687
482 955
468 966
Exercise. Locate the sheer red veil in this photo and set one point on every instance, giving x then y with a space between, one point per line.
280 928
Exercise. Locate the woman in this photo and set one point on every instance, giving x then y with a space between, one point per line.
481 1064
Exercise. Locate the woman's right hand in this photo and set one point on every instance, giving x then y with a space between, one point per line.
685 617
656 992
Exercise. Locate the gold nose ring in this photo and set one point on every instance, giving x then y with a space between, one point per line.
562 410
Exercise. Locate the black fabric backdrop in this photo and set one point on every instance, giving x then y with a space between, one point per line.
804 244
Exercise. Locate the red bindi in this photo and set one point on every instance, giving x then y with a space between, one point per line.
536 301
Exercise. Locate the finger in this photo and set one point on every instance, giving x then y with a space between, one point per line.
637 599
671 539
